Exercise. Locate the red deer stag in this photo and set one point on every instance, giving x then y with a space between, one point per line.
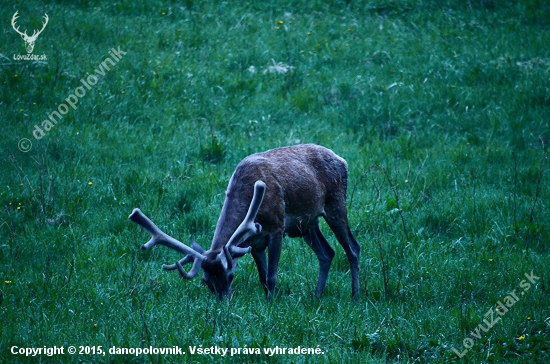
297 185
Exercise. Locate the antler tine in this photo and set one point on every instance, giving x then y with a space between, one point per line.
13 19
159 237
197 265
248 226
186 260
44 24
36 33
229 258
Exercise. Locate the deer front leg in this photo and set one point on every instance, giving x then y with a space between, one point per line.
261 263
315 239
274 250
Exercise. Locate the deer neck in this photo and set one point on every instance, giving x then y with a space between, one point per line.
233 213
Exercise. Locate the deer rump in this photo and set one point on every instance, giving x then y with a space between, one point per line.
300 184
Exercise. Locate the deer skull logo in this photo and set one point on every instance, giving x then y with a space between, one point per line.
29 41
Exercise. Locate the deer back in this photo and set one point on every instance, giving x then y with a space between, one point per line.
299 181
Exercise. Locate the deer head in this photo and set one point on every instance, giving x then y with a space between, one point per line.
218 265
29 41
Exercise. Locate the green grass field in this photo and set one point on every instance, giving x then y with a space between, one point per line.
441 108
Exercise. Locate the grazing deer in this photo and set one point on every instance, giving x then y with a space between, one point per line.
297 185
29 41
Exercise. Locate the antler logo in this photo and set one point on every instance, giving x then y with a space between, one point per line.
29 41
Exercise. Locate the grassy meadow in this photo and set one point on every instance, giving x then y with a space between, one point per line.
441 108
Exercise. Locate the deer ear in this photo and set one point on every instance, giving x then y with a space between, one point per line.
196 247
258 228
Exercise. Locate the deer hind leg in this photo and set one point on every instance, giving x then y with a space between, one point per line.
337 219
315 239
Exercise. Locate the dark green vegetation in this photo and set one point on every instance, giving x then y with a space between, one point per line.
441 109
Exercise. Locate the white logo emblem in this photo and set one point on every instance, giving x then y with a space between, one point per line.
29 41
